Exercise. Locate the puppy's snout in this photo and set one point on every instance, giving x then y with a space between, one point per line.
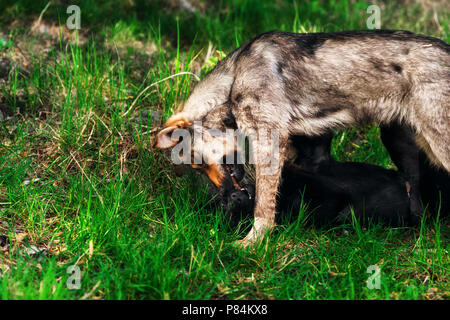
238 197
240 206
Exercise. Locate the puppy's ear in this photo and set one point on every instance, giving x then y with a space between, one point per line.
164 137
214 174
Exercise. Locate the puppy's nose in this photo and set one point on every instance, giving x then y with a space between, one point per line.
238 196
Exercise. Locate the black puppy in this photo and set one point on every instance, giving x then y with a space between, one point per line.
331 190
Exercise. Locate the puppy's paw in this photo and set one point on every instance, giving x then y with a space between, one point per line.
243 243
257 233
247 243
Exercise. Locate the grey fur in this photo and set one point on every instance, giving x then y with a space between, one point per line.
308 84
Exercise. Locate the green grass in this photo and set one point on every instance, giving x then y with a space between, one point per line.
80 181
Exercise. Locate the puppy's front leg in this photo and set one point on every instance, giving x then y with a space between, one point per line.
269 159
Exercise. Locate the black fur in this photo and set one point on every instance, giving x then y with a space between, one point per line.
331 189
401 145
434 187
427 182
373 193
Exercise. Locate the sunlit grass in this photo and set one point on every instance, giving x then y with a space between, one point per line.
80 181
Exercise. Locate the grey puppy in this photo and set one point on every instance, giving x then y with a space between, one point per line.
307 84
